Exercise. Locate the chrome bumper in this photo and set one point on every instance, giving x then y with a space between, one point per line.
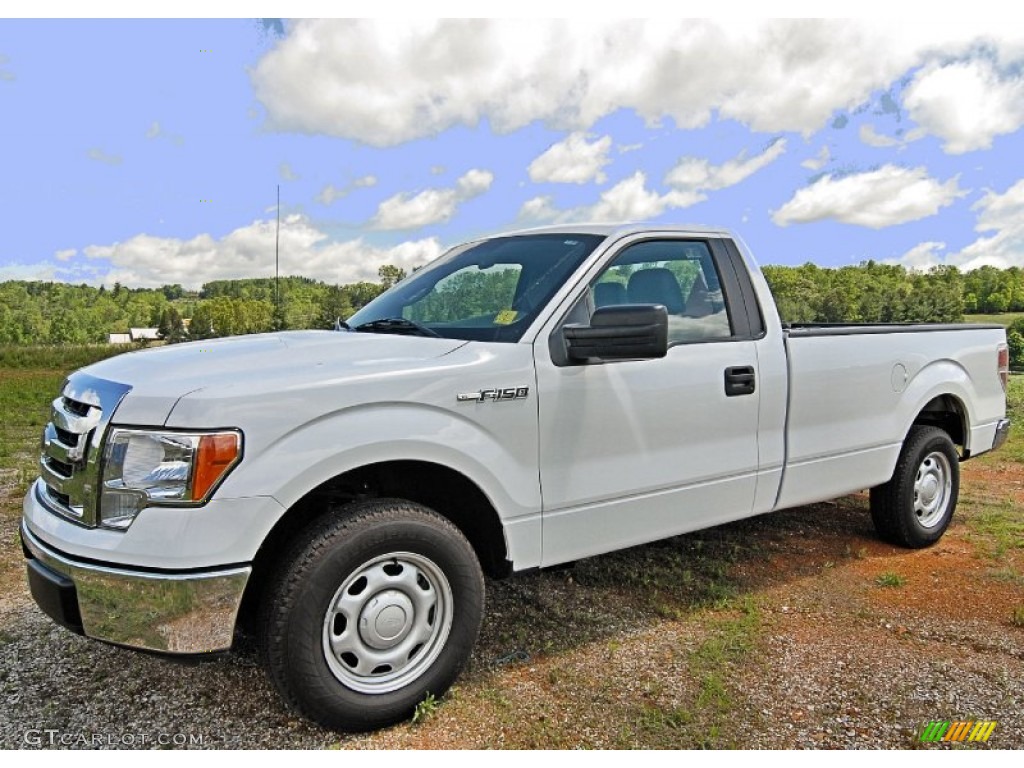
1002 433
181 613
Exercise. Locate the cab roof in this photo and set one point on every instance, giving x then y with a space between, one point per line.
619 230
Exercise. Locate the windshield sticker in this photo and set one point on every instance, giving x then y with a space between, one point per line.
506 317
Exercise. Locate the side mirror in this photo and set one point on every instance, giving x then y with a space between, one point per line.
620 332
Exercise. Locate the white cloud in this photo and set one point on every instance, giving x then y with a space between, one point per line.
630 199
1002 215
100 156
966 103
819 161
430 206
573 160
18 271
872 138
472 183
5 75
693 176
65 255
156 130
147 261
286 173
922 256
384 82
624 148
881 198
539 209
330 193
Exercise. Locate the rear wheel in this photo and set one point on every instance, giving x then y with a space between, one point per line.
378 606
916 506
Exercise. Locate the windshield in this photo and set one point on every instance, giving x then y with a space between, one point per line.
488 291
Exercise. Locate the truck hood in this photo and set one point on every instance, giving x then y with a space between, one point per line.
161 376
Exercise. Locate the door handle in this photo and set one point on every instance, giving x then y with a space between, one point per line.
740 380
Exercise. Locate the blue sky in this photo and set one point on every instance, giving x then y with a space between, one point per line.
149 152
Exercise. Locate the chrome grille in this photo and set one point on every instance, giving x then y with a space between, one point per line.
70 457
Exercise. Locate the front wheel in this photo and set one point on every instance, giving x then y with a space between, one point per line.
916 506
377 606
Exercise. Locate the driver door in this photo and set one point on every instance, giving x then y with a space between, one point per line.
637 450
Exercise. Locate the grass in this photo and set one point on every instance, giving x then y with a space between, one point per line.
992 514
703 722
56 358
1002 318
1017 619
425 709
890 580
30 378
1013 449
1000 525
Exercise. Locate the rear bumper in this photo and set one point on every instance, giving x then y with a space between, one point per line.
186 612
1002 433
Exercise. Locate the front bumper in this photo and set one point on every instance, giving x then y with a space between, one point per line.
180 612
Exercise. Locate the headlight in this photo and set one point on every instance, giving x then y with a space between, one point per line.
143 468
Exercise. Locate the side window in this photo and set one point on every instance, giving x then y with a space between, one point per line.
677 273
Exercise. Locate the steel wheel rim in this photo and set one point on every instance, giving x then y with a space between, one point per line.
387 623
933 487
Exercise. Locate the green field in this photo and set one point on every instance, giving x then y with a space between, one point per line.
30 378
1003 318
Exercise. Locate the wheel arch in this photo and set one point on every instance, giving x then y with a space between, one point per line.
943 392
949 413
447 491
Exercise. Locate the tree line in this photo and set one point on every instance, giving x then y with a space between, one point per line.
60 313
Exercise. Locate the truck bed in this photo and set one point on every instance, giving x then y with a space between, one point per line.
848 329
855 390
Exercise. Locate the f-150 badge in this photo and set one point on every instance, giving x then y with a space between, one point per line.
493 395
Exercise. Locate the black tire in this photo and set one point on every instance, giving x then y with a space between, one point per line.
376 606
916 506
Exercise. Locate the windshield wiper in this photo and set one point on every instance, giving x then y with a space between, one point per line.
396 325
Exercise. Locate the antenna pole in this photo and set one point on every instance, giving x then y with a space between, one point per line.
277 255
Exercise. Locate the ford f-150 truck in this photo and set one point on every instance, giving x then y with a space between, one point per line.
524 401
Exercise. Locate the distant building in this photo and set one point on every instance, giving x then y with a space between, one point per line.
144 334
134 335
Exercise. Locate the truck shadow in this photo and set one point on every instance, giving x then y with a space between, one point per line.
562 608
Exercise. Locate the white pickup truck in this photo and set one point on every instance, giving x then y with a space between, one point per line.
525 400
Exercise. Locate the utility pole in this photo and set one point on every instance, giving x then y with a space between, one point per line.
277 256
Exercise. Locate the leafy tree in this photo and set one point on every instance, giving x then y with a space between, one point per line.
389 275
172 326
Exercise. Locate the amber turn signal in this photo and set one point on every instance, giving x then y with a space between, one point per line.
216 455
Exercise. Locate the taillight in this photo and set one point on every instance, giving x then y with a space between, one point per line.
1004 366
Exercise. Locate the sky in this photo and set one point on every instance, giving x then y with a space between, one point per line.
150 152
